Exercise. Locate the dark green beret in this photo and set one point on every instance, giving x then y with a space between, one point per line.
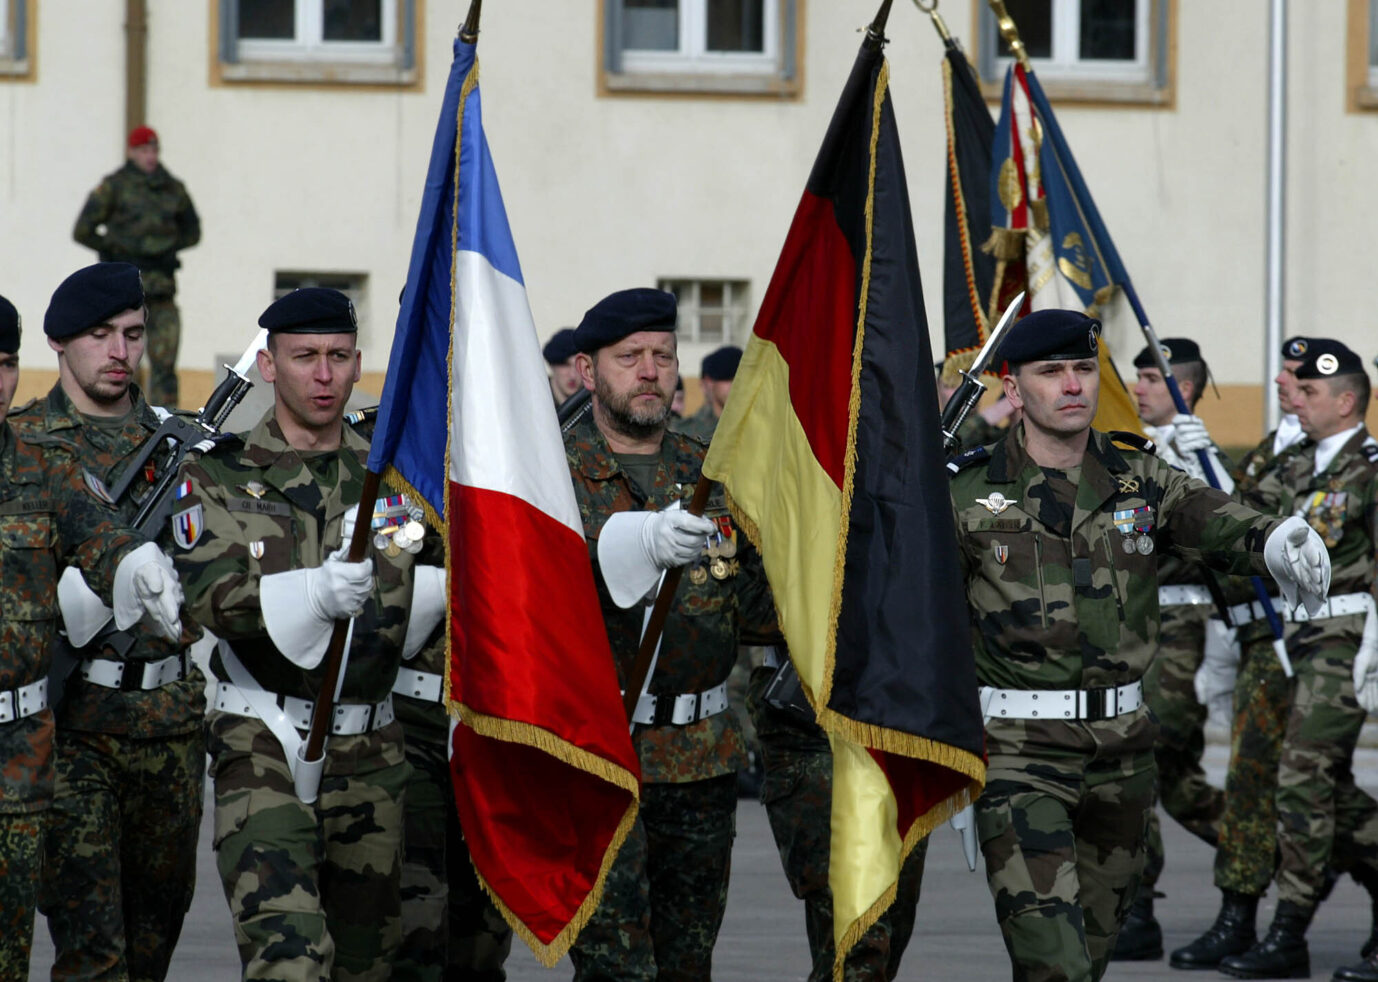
311 310
9 327
622 313
1177 351
92 296
1051 335
1328 358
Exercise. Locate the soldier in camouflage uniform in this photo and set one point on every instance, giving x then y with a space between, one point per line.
665 893
52 515
1184 604
798 795
1258 692
1330 481
120 846
143 215
260 525
1058 532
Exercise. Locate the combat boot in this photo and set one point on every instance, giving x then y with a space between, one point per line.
1365 971
1232 933
1141 938
1368 879
1282 954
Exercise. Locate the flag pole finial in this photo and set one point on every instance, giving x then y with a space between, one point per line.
931 9
468 31
1010 32
875 32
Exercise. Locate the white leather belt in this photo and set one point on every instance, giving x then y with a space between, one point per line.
132 675
680 710
1087 704
1179 595
426 686
15 704
1345 603
349 719
771 656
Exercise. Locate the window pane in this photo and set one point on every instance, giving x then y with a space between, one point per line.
274 19
650 25
736 25
1107 30
1373 33
1034 18
710 326
710 293
353 20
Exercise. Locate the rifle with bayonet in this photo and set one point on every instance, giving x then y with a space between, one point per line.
162 455
964 400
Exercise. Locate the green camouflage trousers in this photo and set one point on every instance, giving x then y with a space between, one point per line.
1324 820
797 794
119 863
162 335
447 918
1061 824
664 897
21 849
314 890
1169 688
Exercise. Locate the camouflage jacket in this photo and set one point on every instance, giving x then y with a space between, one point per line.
701 425
147 219
260 511
1341 504
170 709
50 518
1073 604
706 622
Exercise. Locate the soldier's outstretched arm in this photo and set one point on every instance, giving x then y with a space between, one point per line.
1207 526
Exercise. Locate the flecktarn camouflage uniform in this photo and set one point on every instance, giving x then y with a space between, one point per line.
665 894
50 517
313 889
120 846
146 219
1062 582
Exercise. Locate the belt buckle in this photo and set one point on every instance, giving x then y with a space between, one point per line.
664 714
1101 704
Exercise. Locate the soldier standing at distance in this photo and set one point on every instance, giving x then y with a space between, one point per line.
1288 432
52 515
716 374
559 357
261 526
120 847
665 894
143 215
1058 532
1185 606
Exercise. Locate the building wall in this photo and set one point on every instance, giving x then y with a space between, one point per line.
607 191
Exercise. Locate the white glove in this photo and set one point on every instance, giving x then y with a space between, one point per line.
1297 558
338 589
1366 665
1189 433
674 537
1219 669
146 586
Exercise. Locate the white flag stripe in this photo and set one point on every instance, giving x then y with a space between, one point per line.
504 435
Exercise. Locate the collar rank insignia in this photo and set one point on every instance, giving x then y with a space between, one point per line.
254 488
1128 485
996 503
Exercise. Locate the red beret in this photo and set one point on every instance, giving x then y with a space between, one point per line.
140 135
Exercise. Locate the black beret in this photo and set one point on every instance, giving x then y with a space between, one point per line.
9 327
721 365
560 348
1051 335
1177 351
1294 349
91 296
622 313
1327 358
311 310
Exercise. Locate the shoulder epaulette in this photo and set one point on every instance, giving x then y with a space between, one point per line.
50 440
217 444
360 416
1133 441
1370 449
968 459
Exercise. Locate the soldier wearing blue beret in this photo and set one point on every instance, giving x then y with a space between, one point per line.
559 354
716 373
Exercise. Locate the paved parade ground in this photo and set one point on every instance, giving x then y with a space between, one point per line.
955 939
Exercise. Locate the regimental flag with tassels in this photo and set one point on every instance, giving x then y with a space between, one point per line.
546 780
831 455
968 271
1047 236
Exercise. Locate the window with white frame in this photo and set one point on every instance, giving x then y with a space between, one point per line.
332 30
711 311
13 36
1086 49
717 45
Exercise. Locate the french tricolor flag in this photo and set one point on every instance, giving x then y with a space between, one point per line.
546 780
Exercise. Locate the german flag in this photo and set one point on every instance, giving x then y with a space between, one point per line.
831 454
